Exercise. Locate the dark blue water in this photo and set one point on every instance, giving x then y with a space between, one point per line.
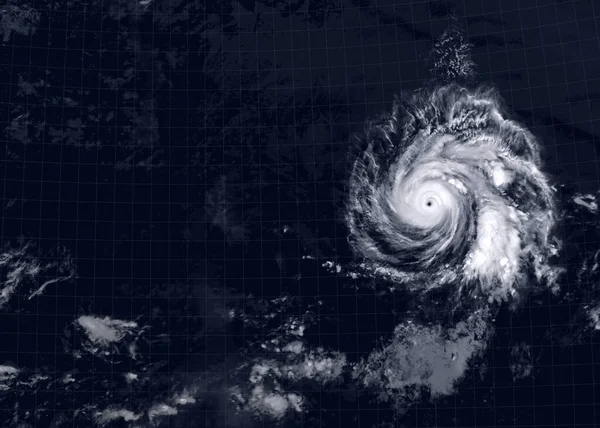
187 155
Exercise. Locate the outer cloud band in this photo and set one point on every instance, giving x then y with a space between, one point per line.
447 189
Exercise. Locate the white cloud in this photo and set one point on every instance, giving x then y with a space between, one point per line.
161 410
7 375
104 331
586 201
113 414
423 358
23 269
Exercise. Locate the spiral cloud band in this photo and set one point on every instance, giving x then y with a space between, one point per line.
447 189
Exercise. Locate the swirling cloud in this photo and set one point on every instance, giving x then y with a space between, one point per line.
448 189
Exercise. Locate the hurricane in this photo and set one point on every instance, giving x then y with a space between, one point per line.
448 188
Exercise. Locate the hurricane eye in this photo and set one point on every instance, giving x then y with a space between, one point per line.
453 217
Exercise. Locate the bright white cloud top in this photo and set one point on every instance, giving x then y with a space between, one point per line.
447 189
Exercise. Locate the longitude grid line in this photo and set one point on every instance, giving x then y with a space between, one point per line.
95 279
552 346
241 128
205 273
511 92
316 205
578 179
468 35
345 56
433 44
39 247
529 85
277 143
153 125
313 177
261 163
296 146
380 60
418 406
187 144
223 172
6 162
597 186
60 174
366 110
134 137
154 130
335 239
493 356
97 164
400 91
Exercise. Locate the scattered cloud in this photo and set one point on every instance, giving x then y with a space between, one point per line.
105 335
19 19
586 201
113 414
24 270
265 393
423 358
521 362
8 375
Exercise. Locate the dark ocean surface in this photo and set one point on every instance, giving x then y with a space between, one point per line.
173 185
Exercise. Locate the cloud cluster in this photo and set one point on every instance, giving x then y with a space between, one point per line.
448 189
